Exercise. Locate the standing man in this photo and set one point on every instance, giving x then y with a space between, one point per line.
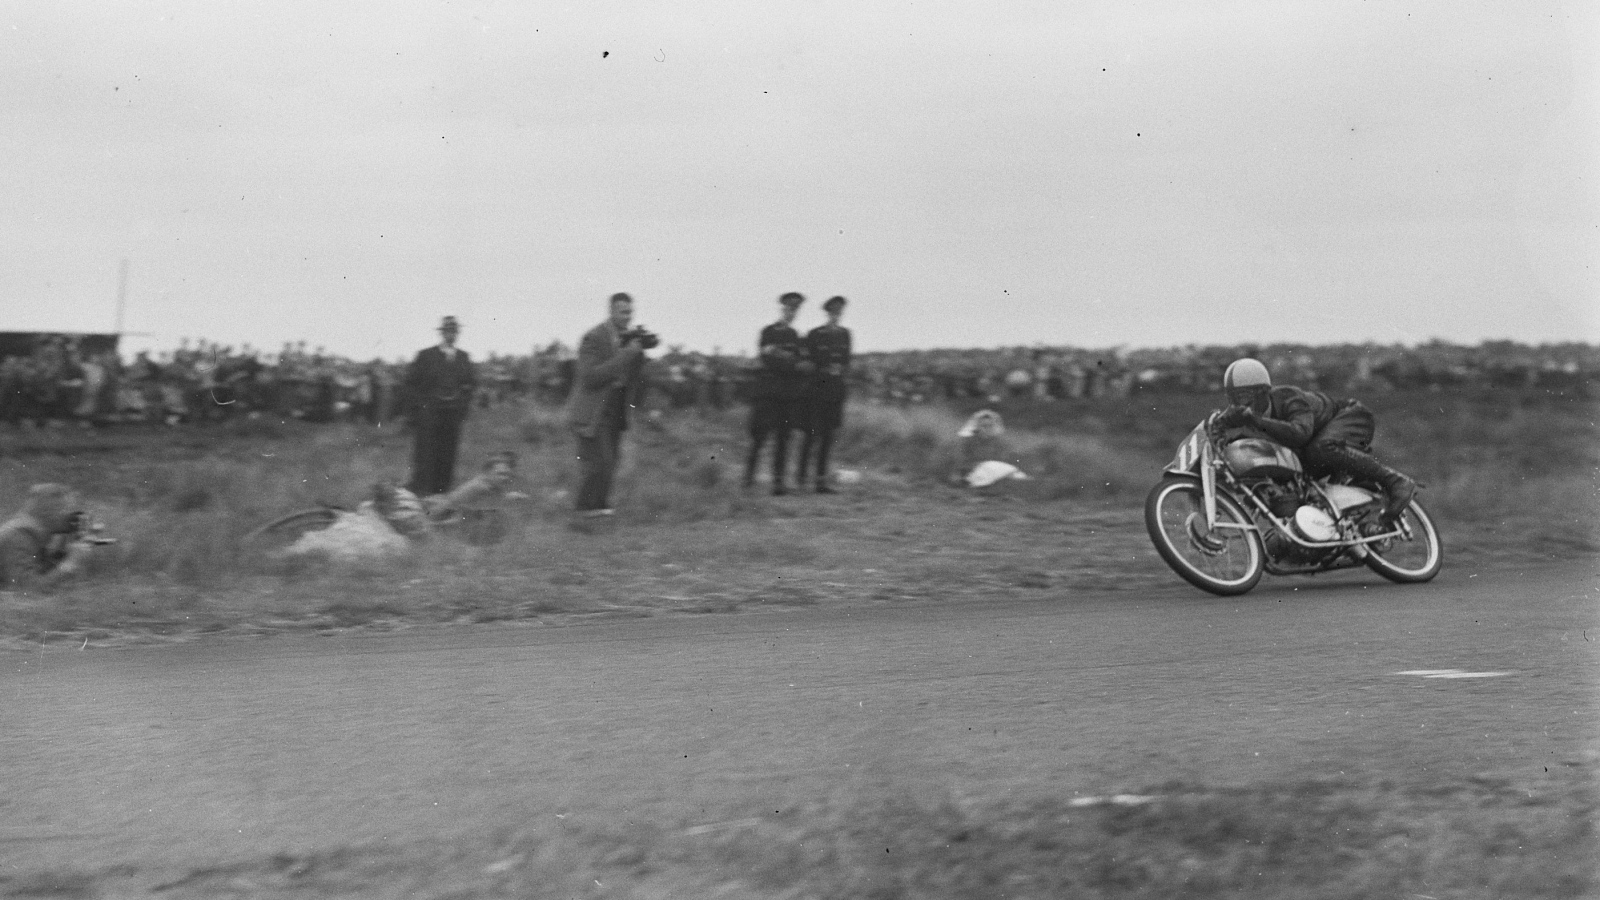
775 395
827 348
606 382
439 387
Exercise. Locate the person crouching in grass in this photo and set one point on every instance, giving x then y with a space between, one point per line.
44 543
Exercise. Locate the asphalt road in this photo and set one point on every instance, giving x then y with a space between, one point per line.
201 753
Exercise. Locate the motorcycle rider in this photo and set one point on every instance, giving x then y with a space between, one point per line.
1333 437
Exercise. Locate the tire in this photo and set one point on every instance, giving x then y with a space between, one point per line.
1414 560
1226 562
285 530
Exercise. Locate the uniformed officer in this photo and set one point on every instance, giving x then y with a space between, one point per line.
776 392
827 348
439 387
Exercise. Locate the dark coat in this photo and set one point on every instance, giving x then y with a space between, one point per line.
828 349
605 381
434 383
779 376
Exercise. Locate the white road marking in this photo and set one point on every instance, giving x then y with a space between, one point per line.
1451 673
718 826
1118 800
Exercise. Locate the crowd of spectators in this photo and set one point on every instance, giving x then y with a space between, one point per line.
205 382
202 381
1046 373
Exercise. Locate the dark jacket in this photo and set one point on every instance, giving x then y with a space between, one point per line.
828 349
779 376
605 381
1294 416
435 383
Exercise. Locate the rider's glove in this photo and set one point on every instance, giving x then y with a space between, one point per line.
1235 416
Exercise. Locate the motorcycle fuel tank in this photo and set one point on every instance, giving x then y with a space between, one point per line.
1260 458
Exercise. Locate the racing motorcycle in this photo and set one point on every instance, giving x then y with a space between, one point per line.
1225 513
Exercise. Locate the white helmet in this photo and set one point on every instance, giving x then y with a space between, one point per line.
1246 373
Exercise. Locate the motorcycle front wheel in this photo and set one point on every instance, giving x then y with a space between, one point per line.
1225 560
1409 560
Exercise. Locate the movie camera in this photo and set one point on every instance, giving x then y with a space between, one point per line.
646 338
87 529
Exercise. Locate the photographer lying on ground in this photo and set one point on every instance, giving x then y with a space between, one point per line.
392 517
48 541
415 517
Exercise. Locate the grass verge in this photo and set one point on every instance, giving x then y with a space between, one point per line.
1511 480
1314 840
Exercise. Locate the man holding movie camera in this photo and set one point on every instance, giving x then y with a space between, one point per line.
606 384
48 541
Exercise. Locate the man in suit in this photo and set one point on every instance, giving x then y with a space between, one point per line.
606 382
827 348
775 394
439 386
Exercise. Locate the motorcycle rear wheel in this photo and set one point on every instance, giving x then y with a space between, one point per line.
1223 561
1413 560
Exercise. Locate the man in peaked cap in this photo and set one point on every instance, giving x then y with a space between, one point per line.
776 393
439 386
827 348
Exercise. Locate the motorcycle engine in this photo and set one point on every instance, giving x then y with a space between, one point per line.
1313 524
1282 499
1307 522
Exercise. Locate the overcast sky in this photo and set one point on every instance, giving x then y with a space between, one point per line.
967 174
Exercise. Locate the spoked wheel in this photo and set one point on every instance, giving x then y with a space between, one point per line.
1416 556
1226 560
285 530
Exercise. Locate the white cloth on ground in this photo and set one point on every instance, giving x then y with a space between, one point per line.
993 471
362 534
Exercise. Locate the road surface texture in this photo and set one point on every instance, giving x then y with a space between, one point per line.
189 755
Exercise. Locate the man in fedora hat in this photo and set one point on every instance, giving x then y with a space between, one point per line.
439 386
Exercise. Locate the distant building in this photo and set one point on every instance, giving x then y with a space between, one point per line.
24 343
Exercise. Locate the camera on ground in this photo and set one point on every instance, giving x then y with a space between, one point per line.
86 529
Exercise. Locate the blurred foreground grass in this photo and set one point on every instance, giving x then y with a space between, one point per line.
1511 477
1312 841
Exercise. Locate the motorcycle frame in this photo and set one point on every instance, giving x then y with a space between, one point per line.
1198 453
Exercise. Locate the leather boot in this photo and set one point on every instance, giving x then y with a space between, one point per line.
1398 488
